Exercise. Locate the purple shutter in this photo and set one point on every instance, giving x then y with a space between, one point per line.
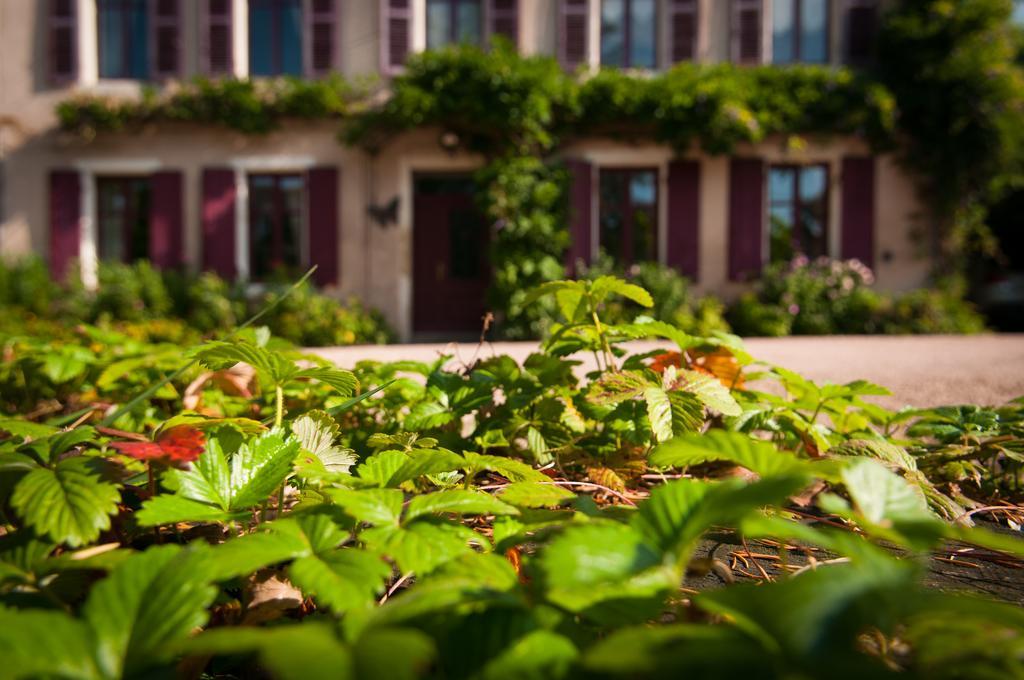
746 217
216 38
580 217
574 24
65 220
858 212
504 18
165 43
684 217
747 28
218 212
166 227
322 193
683 23
320 32
396 33
63 46
861 26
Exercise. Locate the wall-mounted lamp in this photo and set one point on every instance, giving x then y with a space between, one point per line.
384 215
449 141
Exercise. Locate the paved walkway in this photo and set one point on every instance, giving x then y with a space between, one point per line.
919 370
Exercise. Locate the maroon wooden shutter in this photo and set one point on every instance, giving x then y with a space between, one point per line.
217 43
747 29
322 193
574 29
858 212
165 43
684 217
166 228
321 31
396 33
65 219
683 23
505 20
63 46
746 217
861 26
219 221
580 214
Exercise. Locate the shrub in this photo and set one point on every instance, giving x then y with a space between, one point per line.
827 297
171 303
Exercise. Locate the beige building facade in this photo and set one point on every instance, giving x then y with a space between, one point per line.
391 228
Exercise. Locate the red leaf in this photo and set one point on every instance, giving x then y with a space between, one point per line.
182 444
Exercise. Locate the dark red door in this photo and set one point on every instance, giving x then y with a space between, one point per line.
451 268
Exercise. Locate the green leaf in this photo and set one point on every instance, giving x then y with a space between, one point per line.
382 466
341 579
459 502
710 391
614 388
535 495
311 651
317 432
423 545
659 412
343 381
882 496
513 470
393 654
70 503
373 506
427 415
539 655
26 428
171 509
422 462
42 644
259 467
758 456
602 287
881 449
149 602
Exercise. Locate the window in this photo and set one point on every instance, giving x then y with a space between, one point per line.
861 27
454 22
800 31
797 212
628 29
1018 12
122 218
275 37
629 215
276 217
123 32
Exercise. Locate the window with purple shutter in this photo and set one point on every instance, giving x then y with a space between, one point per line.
746 217
504 20
858 212
747 29
63 46
322 29
861 27
166 40
396 33
217 43
322 192
65 218
218 217
166 226
574 22
683 23
580 202
684 217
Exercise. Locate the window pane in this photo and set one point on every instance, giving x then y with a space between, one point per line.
291 37
111 39
138 40
783 28
123 218
123 35
813 236
643 197
1018 12
138 225
781 213
261 38
780 185
643 28
262 216
465 243
814 31
813 182
612 222
613 32
439 22
470 20
293 190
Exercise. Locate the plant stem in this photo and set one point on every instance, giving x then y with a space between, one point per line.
279 410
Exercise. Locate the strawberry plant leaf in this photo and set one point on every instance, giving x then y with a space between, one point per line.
26 429
70 503
423 545
758 456
343 381
341 579
535 495
149 602
710 391
317 432
373 506
37 644
459 502
259 467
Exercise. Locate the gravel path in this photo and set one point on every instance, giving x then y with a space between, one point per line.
920 371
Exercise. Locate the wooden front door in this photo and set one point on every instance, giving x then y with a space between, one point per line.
451 267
